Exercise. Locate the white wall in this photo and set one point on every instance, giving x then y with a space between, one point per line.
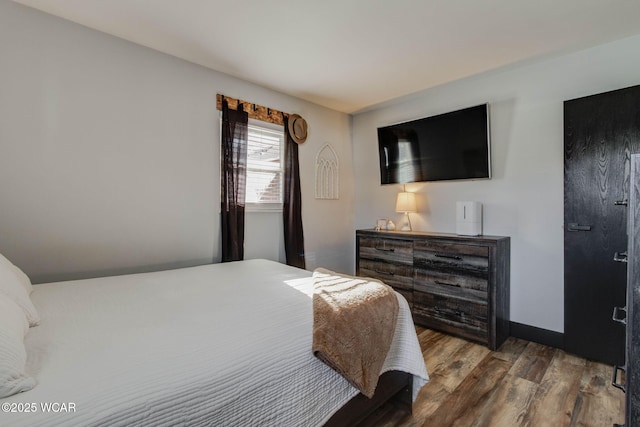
109 157
524 199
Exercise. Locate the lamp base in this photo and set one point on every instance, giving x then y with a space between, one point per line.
406 225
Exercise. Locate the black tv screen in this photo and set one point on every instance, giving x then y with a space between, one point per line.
448 146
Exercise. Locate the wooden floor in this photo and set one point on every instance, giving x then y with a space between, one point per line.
522 384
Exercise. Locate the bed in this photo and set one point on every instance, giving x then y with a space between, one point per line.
222 344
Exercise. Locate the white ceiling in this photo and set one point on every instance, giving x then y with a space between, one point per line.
351 54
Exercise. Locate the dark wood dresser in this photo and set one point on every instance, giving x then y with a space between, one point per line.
455 284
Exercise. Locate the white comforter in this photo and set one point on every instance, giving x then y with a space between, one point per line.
224 344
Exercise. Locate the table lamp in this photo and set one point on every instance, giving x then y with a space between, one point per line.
406 202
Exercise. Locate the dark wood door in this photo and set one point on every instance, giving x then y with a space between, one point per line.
600 133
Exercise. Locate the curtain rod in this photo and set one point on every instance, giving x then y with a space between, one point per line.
257 112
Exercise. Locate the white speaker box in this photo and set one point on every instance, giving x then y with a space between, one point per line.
469 218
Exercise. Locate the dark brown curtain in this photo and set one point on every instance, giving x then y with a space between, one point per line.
234 177
292 205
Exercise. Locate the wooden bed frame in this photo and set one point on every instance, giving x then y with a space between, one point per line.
393 386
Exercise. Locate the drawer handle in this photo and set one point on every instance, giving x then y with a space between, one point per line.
389 273
620 257
614 378
448 256
438 282
442 312
574 226
385 250
617 318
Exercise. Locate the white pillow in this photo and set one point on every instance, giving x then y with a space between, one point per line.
13 355
24 279
12 285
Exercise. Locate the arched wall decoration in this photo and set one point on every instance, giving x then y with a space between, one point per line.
327 174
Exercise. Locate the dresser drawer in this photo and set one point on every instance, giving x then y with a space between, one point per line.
453 258
465 317
457 283
390 250
451 248
396 275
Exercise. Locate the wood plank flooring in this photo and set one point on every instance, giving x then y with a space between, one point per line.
521 384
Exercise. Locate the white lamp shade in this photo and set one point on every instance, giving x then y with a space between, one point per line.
406 202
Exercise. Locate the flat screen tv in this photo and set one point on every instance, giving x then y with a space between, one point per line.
450 146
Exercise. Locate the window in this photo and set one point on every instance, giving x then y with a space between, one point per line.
264 167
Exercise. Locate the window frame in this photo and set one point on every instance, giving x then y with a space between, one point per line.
269 206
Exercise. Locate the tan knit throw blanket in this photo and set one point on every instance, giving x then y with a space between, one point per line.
354 320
